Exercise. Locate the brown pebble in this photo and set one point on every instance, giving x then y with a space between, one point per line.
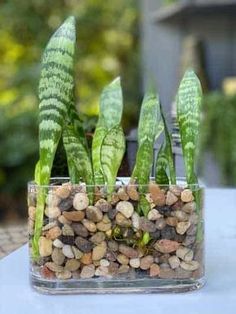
157 195
172 221
89 225
86 259
166 246
99 251
182 227
53 233
121 220
45 247
103 205
171 198
122 259
54 267
98 237
189 207
52 212
58 257
72 264
132 192
123 196
146 262
154 270
63 191
74 215
187 196
65 274
94 214
87 271
128 251
47 273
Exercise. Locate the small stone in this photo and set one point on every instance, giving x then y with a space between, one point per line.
160 223
146 262
94 214
122 259
104 225
77 253
47 273
52 199
99 251
83 245
154 214
32 212
176 190
66 204
62 219
193 219
184 253
49 226
111 256
168 233
121 220
53 233
65 274
89 225
86 259
123 269
171 198
74 215
58 244
166 273
58 257
123 196
125 208
164 258
98 237
45 247
172 221
189 240
67 230
79 229
54 267
181 216
132 192
72 264
190 266
166 246
87 271
80 201
113 245
63 191
187 196
102 271
165 210
154 270
112 213
134 262
114 199
155 235
67 251
104 262
113 268
182 227
192 230
157 195
180 273
174 261
189 207
52 212
146 225
128 251
177 206
67 239
103 205
135 220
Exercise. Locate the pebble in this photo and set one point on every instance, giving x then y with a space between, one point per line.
77 253
47 273
113 268
99 251
103 205
146 262
128 251
176 190
146 225
132 192
32 212
104 262
79 229
168 233
181 216
184 253
80 201
174 261
154 270
193 218
164 258
74 215
89 225
171 198
102 271
192 230
187 196
62 219
135 220
98 237
67 239
112 213
111 256
166 246
122 259
157 195
123 196
53 233
113 245
66 204
58 244
87 271
125 208
72 264
121 220
67 251
63 191
160 223
54 267
134 262
166 273
45 247
57 256
94 214
67 230
52 212
165 210
182 227
189 207
83 245
49 225
172 221
155 235
66 274
189 240
52 200
191 266
180 273
154 214
114 199
123 269
86 259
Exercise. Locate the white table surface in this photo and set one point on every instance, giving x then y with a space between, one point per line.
218 295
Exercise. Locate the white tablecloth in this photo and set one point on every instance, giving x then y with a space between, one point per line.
218 295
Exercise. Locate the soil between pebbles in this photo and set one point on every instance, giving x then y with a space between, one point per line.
104 239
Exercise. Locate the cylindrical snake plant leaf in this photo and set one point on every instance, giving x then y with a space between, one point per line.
55 94
161 175
112 152
110 113
188 100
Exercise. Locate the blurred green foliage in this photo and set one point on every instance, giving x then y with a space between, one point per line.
219 133
108 45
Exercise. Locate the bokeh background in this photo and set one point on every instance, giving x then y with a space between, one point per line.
137 40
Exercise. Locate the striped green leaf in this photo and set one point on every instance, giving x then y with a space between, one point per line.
112 152
55 94
161 175
188 100
111 108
